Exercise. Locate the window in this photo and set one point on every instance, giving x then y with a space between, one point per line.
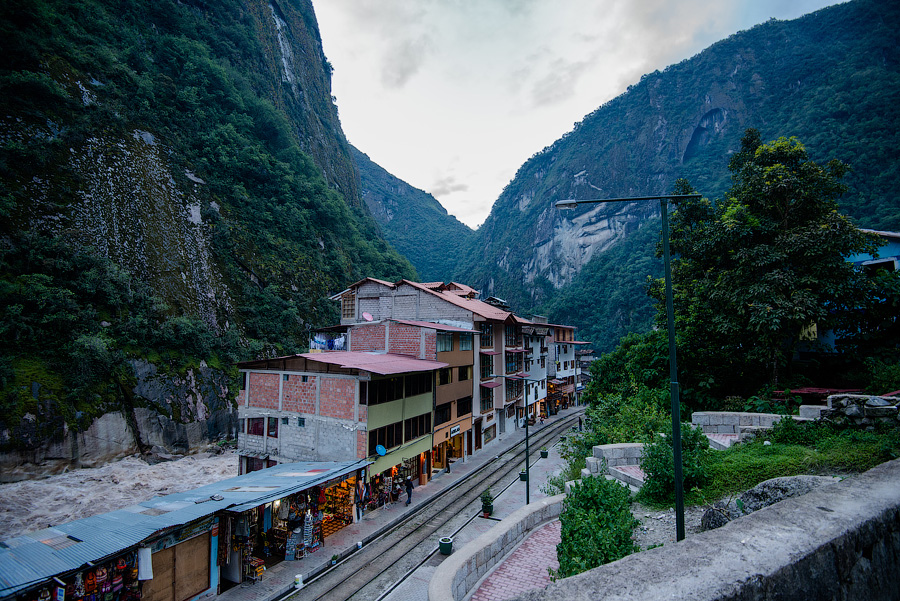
417 426
487 335
348 305
381 391
441 414
444 376
255 426
244 381
487 366
304 379
490 433
418 384
487 399
444 342
513 362
285 377
284 421
465 373
273 427
301 422
387 436
513 389
464 406
465 342
511 338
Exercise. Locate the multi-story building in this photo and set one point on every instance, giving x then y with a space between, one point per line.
563 369
338 406
498 345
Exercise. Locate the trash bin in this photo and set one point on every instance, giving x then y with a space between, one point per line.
446 545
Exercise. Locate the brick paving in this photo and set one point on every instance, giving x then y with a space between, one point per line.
525 569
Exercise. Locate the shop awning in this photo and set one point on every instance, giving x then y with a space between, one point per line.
490 352
515 350
490 384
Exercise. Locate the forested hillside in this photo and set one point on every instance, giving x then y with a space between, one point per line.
175 194
831 78
412 220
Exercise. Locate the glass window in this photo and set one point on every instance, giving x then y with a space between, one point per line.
348 305
487 366
442 414
465 342
487 399
487 335
273 427
465 373
444 376
418 384
464 406
255 426
444 342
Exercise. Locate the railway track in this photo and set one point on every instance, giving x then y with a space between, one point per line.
380 566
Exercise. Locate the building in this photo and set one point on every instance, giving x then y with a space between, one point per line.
563 370
184 546
346 405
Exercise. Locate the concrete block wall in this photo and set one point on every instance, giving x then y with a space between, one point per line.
629 453
731 422
457 575
840 541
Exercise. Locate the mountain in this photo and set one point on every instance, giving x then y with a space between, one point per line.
176 194
830 78
412 220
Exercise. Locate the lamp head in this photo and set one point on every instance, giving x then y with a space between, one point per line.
566 204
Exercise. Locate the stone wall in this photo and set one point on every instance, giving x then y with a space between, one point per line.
861 411
840 541
461 571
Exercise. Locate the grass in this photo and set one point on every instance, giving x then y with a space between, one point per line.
816 449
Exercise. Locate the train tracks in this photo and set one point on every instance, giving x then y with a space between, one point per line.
374 571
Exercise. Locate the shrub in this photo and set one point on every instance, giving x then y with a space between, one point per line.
596 527
658 464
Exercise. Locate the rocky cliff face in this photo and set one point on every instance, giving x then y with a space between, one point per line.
780 78
197 148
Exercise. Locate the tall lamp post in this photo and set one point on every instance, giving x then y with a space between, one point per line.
673 366
527 460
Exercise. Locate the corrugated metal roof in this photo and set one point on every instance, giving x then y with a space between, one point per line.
25 561
378 363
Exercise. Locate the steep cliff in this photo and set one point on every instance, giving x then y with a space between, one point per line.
413 221
176 194
831 78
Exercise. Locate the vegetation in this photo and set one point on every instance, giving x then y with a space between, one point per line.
281 220
658 465
842 99
596 527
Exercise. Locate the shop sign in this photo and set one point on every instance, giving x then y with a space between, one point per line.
455 430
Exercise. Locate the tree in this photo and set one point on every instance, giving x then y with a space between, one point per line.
755 269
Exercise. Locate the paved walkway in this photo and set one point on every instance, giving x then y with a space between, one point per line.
279 579
525 569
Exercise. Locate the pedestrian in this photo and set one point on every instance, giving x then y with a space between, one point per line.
408 490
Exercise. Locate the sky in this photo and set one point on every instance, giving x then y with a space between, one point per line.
453 96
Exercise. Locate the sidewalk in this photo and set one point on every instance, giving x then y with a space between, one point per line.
279 579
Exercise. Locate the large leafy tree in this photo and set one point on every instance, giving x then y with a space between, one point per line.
756 269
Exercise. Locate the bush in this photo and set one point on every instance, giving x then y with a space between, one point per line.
659 465
596 527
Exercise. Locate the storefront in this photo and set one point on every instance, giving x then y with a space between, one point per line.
450 443
186 545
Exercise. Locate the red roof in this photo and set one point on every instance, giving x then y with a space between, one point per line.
490 384
377 363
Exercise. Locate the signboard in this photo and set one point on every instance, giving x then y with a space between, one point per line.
454 430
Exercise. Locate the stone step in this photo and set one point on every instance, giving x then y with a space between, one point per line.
720 442
632 475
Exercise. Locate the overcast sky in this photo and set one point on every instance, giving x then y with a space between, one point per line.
453 96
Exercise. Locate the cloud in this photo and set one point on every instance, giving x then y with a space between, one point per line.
447 185
403 59
558 85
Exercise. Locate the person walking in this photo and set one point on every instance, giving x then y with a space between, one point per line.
408 490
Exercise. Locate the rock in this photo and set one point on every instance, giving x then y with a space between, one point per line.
777 489
714 517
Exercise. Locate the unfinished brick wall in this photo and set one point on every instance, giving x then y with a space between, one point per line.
430 345
337 397
298 395
361 447
263 390
405 340
367 338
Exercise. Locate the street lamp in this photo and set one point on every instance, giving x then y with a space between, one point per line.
673 367
527 461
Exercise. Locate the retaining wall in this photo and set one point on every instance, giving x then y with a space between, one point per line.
458 574
840 541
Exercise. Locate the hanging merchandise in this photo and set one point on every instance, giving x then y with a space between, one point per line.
79 585
145 563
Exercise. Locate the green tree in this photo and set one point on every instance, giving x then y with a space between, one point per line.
755 269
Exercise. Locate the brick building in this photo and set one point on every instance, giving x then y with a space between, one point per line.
338 406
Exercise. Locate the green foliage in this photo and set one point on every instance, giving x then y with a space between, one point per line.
658 465
596 527
756 268
556 484
842 99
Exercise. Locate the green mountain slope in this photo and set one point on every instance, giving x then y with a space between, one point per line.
175 193
412 220
831 78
